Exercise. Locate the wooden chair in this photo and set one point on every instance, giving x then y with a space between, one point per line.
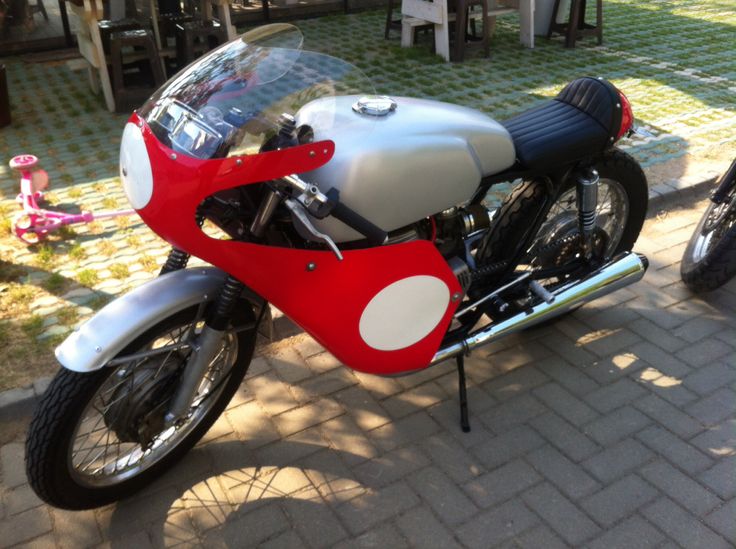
576 27
144 54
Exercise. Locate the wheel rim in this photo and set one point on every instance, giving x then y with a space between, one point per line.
612 212
98 458
718 220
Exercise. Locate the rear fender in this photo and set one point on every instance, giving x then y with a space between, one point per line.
97 341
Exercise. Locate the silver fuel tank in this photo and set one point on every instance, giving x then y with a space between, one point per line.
419 159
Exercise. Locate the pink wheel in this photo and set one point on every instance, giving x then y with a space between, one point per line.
23 162
29 230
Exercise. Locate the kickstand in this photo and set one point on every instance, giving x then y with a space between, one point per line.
464 422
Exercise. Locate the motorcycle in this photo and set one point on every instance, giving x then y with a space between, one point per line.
361 217
709 260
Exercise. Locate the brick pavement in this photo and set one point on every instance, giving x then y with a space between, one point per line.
613 427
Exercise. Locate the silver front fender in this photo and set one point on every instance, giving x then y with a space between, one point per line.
107 333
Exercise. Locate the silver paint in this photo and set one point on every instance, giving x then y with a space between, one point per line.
423 158
124 319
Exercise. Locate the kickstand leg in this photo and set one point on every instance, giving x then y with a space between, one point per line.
464 422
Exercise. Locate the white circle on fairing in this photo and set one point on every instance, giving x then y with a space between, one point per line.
135 167
404 312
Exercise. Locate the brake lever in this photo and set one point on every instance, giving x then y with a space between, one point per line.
301 216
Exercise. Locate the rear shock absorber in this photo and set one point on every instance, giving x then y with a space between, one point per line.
587 194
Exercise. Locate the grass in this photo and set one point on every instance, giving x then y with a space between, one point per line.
88 277
55 283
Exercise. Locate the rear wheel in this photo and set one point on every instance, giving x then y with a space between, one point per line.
710 257
622 207
98 437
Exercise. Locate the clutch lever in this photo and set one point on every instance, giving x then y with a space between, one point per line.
301 216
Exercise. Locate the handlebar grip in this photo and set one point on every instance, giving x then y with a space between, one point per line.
374 234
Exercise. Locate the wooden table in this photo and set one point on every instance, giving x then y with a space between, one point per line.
90 12
416 13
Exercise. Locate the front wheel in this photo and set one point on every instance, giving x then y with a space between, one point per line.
98 437
710 257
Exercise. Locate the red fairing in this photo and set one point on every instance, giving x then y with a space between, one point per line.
328 300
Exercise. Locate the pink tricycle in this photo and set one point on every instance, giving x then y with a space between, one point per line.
34 223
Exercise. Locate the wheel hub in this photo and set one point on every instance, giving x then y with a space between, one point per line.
141 400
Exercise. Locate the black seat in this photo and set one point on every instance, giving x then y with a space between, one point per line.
583 119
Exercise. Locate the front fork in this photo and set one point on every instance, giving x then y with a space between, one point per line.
587 181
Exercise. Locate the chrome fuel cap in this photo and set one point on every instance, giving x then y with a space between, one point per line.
375 105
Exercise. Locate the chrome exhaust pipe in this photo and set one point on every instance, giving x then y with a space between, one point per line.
624 269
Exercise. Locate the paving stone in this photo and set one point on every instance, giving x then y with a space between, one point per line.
507 446
406 430
568 439
656 335
664 362
413 399
617 460
333 480
304 417
365 511
328 382
667 387
685 491
612 396
539 536
207 504
272 393
514 383
560 513
502 483
379 387
713 409
176 529
459 464
709 378
391 466
496 525
13 467
705 352
253 426
447 414
322 362
681 526
511 413
346 437
609 369
721 478
260 524
308 347
565 404
609 341
442 495
287 540
570 377
364 409
698 328
25 526
567 476
12 397
290 365
385 535
313 519
618 500
633 533
672 448
616 425
423 529
722 520
668 416
289 450
718 441
20 499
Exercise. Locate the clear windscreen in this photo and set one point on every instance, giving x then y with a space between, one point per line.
231 101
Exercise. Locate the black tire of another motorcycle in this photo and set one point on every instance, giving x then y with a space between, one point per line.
709 260
83 448
623 197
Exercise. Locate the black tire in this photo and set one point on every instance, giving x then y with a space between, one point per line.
49 457
615 168
709 260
